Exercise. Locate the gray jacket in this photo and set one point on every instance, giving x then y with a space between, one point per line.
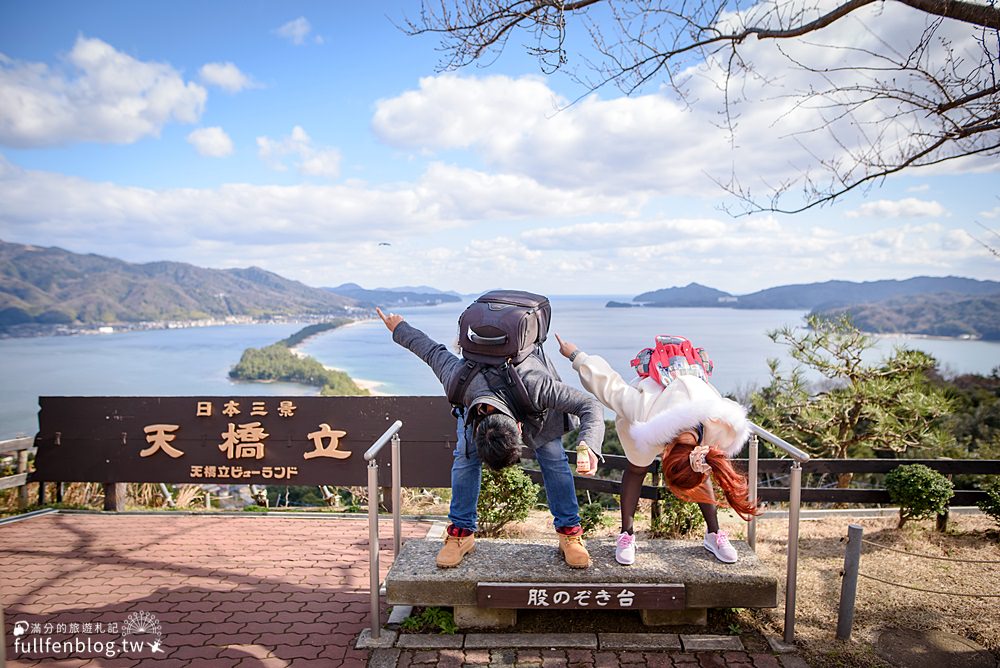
542 383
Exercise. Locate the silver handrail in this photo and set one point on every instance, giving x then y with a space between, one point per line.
373 569
792 451
794 503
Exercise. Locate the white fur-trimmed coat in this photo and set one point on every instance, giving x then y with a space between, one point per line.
648 415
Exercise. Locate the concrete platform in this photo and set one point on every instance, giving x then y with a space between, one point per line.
414 579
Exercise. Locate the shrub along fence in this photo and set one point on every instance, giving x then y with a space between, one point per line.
778 468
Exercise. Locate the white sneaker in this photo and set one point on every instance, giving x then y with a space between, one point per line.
719 545
625 549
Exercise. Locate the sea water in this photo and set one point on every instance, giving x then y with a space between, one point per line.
736 339
196 361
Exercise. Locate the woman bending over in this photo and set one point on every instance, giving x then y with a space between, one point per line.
670 410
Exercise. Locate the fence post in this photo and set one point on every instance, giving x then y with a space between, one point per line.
794 501
114 496
849 585
941 522
654 508
752 491
397 501
373 570
22 467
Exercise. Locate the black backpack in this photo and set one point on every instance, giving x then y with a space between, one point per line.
497 332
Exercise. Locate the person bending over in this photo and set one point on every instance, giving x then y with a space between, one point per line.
685 421
489 424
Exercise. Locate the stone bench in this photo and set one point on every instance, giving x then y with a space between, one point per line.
701 581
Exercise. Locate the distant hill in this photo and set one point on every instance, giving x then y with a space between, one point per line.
692 294
48 286
842 293
393 296
827 295
939 314
426 289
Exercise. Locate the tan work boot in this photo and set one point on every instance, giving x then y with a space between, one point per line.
574 551
454 548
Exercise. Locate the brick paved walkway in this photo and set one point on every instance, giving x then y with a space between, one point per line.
571 658
236 591
227 591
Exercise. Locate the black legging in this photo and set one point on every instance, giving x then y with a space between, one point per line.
631 488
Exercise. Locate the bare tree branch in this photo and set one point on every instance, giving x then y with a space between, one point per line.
926 103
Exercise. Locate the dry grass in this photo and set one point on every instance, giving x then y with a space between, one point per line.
878 606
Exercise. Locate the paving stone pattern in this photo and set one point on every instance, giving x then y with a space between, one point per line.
227 591
580 658
239 591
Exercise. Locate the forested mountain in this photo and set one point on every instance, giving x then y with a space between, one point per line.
393 296
941 314
692 294
53 286
831 294
826 295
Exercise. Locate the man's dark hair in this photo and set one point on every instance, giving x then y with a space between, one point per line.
498 441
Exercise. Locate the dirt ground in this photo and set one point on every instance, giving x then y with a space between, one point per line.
878 606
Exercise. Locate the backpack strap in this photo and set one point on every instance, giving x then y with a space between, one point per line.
519 399
456 391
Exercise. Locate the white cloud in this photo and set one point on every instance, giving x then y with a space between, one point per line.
654 143
992 213
324 234
741 262
58 207
226 76
922 188
625 234
212 142
102 95
298 147
517 126
296 31
904 208
484 196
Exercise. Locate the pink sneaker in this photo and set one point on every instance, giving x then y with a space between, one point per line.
719 545
625 549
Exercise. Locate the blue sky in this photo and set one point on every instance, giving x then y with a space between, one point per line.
302 136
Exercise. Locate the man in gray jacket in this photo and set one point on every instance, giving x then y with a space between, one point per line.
498 438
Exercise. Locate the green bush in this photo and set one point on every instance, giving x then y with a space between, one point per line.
991 504
505 496
431 619
921 492
677 518
592 518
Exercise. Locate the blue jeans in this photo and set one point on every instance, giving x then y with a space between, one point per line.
466 474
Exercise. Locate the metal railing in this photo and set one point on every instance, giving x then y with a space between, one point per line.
794 503
392 433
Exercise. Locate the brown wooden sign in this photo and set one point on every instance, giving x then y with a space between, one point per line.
590 596
241 440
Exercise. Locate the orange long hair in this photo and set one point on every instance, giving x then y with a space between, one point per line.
688 484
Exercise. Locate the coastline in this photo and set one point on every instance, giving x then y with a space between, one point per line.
930 337
364 383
